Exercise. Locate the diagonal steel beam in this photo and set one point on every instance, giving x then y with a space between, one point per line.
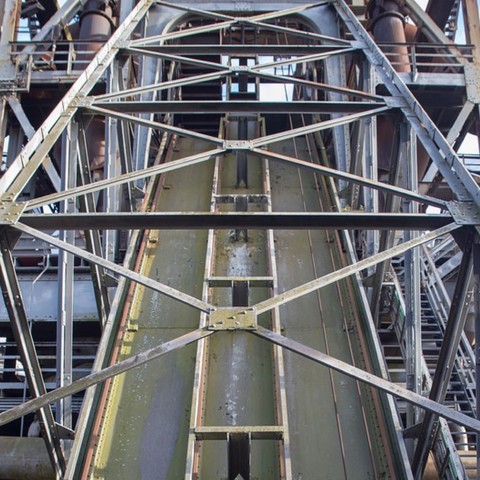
345 272
157 87
19 323
303 59
104 374
215 27
125 178
287 11
368 378
296 33
318 85
120 270
182 132
331 172
316 127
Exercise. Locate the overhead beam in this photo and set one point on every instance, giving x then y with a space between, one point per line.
225 220
199 107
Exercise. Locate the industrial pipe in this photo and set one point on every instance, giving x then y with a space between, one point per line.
387 25
96 26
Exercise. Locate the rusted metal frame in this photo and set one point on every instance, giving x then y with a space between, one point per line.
157 87
345 272
368 378
224 220
303 59
21 331
120 270
100 376
61 17
34 153
446 359
236 106
182 132
450 166
125 178
331 172
93 241
215 27
317 127
295 33
318 85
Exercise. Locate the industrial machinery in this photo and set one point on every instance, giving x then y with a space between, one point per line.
238 239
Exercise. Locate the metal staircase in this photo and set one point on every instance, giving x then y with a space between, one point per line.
452 445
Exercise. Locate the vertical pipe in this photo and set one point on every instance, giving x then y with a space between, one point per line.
387 25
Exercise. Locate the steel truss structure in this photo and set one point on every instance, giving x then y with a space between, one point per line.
393 218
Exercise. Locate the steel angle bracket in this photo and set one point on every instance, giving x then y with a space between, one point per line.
10 211
464 213
233 318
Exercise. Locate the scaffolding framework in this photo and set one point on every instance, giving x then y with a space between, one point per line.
408 215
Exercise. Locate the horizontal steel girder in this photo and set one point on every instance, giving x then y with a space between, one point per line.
241 106
201 220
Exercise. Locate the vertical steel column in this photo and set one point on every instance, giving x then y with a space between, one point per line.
92 237
21 331
111 169
370 169
413 329
66 279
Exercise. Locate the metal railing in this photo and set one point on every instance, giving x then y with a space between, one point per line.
427 57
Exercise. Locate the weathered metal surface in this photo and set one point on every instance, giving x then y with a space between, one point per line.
25 457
